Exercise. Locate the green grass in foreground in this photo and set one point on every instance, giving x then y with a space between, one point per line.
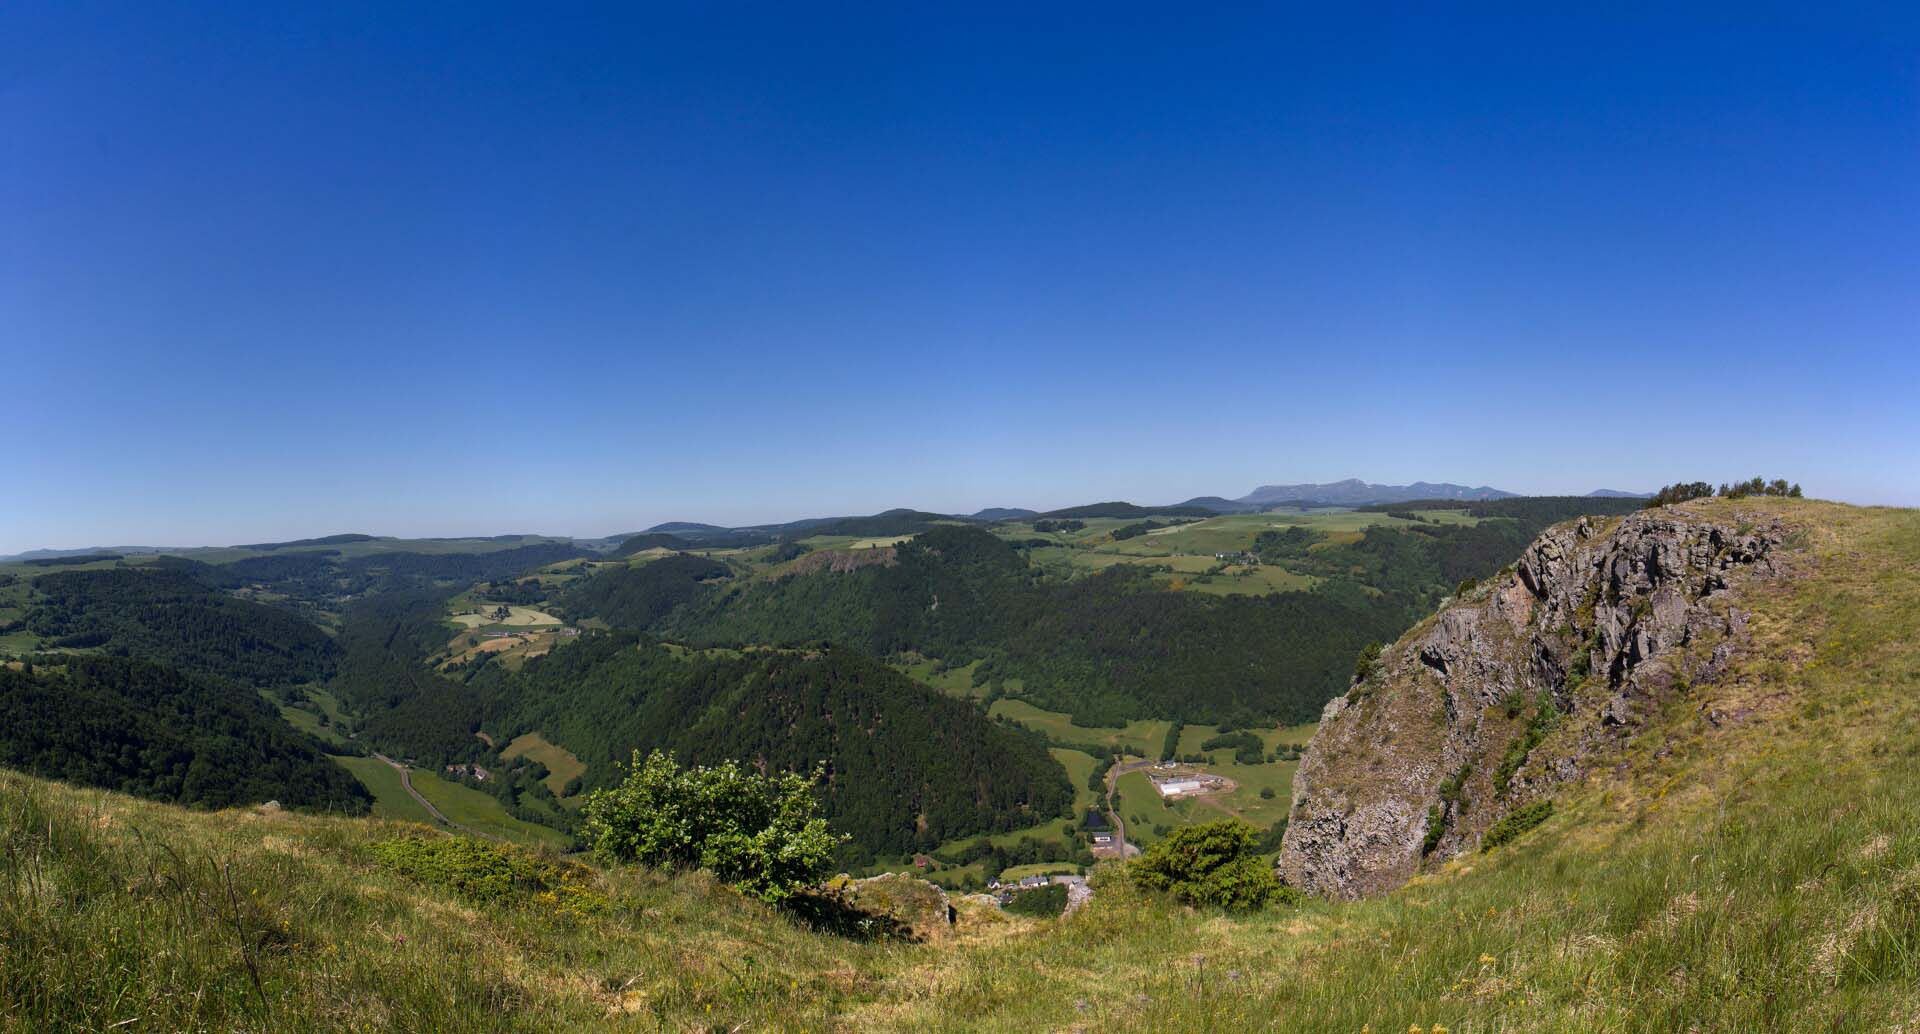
1759 875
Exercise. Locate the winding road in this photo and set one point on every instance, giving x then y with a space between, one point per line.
406 781
1127 849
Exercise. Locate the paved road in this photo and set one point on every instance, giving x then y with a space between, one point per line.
1127 850
406 780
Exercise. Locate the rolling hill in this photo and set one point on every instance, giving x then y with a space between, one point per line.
1744 860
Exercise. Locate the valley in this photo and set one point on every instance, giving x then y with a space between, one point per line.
527 657
1707 844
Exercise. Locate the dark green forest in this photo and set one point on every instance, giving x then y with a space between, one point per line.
406 706
151 730
908 768
636 597
165 615
1107 648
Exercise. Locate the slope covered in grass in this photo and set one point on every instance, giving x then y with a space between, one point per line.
1759 874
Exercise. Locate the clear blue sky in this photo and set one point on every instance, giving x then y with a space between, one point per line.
462 269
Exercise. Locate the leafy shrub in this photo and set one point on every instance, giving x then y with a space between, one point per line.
1516 823
756 832
492 874
1045 902
1215 863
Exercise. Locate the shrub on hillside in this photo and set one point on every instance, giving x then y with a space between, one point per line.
492 874
756 832
1520 820
1044 902
1215 863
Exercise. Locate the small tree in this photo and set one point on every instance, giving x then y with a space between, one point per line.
1364 665
756 832
1216 863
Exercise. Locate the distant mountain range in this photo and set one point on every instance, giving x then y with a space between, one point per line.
1351 492
1354 492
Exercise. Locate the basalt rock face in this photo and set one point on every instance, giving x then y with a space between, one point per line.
1528 681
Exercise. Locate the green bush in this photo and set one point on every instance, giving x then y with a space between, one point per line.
1216 863
492 874
756 832
1045 902
1516 823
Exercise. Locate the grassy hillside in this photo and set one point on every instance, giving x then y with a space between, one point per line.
1758 874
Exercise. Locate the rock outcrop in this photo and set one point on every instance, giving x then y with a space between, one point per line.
905 906
1525 682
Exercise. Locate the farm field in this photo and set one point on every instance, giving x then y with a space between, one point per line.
485 615
1137 737
562 766
470 807
390 799
853 542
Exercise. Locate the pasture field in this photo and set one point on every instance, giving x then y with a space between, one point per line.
390 799
819 542
1079 766
482 615
1192 736
1250 580
470 807
1143 808
562 766
307 721
511 651
956 682
1245 801
1137 737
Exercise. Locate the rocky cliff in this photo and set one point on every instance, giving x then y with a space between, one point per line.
1527 681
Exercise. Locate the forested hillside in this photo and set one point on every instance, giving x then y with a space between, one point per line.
166 615
907 768
406 706
1107 648
636 597
156 732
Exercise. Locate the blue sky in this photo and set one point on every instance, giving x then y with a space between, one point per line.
464 269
